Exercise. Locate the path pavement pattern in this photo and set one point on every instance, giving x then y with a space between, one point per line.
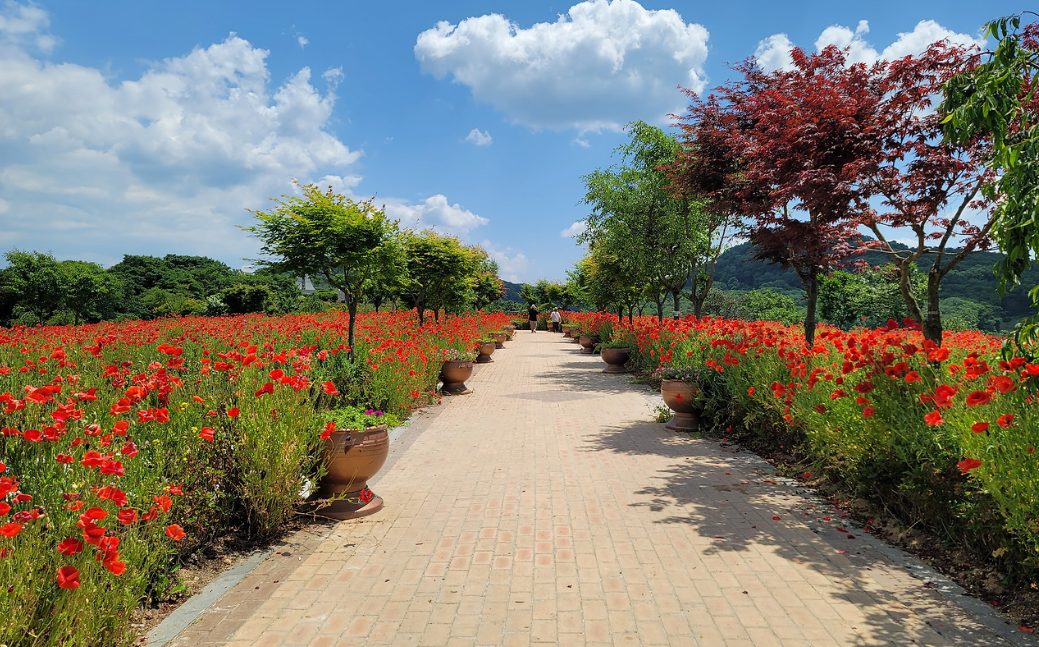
548 507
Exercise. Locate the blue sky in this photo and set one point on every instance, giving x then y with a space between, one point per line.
149 128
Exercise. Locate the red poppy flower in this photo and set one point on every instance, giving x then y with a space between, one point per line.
10 529
206 434
330 428
750 391
330 388
912 376
819 408
867 412
934 418
968 464
64 459
70 546
978 398
266 388
4 508
1005 420
68 577
127 516
232 413
175 532
979 427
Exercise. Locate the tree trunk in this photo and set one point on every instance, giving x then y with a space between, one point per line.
620 314
660 308
812 295
351 307
421 313
677 296
932 323
907 293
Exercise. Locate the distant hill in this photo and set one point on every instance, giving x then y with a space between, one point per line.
972 279
512 291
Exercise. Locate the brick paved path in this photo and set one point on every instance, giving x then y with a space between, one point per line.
548 508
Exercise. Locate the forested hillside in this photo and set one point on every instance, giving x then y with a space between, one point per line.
972 280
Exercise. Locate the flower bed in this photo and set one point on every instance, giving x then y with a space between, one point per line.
945 436
125 445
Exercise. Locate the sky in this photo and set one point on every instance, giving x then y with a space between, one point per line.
131 127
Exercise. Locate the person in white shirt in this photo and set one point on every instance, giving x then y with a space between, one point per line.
556 318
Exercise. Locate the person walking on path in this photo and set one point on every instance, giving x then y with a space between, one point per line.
532 315
556 318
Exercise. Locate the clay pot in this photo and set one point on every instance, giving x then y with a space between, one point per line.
615 359
588 344
508 334
679 396
499 340
352 457
486 350
454 374
566 331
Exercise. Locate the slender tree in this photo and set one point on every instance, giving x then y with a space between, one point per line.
353 245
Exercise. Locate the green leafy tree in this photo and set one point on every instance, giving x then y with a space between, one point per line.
245 299
352 245
997 99
89 293
487 288
35 282
868 298
442 272
769 305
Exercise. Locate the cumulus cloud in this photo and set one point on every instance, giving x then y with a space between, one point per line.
435 213
597 67
773 53
479 137
167 161
511 264
303 41
574 230
25 25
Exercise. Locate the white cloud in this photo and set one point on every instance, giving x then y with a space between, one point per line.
479 137
25 25
574 230
512 265
583 143
162 163
773 53
435 213
303 41
599 66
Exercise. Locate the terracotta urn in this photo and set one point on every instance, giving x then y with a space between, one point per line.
351 457
499 340
509 327
486 350
566 331
615 359
680 397
508 334
588 344
454 374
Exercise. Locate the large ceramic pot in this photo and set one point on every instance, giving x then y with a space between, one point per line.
566 331
486 350
679 396
351 457
454 374
588 344
499 340
508 334
615 359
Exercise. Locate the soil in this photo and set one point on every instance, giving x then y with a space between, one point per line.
981 579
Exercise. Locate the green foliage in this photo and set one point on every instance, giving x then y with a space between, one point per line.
442 272
997 99
504 305
867 298
769 305
246 299
356 418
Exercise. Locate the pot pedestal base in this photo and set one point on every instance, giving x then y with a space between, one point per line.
683 422
455 389
346 509
484 359
614 368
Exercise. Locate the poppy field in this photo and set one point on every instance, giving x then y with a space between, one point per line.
941 436
125 445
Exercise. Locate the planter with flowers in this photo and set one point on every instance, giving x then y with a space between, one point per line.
486 350
679 387
616 354
356 443
457 368
499 338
